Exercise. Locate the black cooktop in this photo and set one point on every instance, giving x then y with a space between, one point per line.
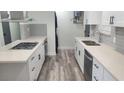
25 45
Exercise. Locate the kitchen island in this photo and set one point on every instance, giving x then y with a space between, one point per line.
22 64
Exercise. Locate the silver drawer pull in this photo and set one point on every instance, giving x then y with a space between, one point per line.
33 68
39 56
32 58
76 48
95 78
96 66
45 42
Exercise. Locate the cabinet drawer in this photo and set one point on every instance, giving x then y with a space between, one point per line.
32 70
35 62
41 58
32 74
32 66
97 66
33 58
108 76
39 66
41 50
97 71
36 55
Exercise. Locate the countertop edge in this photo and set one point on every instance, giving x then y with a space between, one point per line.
41 40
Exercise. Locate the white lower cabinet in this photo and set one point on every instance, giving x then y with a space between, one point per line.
97 73
76 50
36 62
100 73
32 68
107 76
24 71
79 54
41 58
81 57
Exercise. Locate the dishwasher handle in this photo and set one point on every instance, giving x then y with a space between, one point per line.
91 59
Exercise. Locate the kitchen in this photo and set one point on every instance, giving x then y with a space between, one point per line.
83 46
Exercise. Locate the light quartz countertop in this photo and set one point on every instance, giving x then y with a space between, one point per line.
7 55
112 60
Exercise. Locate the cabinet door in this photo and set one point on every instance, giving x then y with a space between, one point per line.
76 50
106 17
32 67
33 73
118 18
107 76
81 57
97 73
41 58
92 17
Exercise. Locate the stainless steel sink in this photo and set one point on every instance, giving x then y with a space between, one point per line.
25 45
91 43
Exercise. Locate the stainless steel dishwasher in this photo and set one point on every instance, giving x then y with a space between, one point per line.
88 62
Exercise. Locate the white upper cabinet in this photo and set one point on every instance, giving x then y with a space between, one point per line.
118 18
92 17
113 18
106 18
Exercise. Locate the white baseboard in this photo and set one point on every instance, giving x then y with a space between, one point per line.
65 47
51 54
54 53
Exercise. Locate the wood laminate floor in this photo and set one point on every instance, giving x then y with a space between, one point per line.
62 67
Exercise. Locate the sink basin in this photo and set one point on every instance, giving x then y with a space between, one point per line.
25 45
91 43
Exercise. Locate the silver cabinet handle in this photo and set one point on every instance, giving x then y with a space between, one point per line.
39 56
32 58
33 68
96 66
79 52
76 48
95 78
86 21
45 41
112 19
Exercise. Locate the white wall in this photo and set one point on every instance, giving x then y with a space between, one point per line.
15 31
24 30
38 29
46 17
67 31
